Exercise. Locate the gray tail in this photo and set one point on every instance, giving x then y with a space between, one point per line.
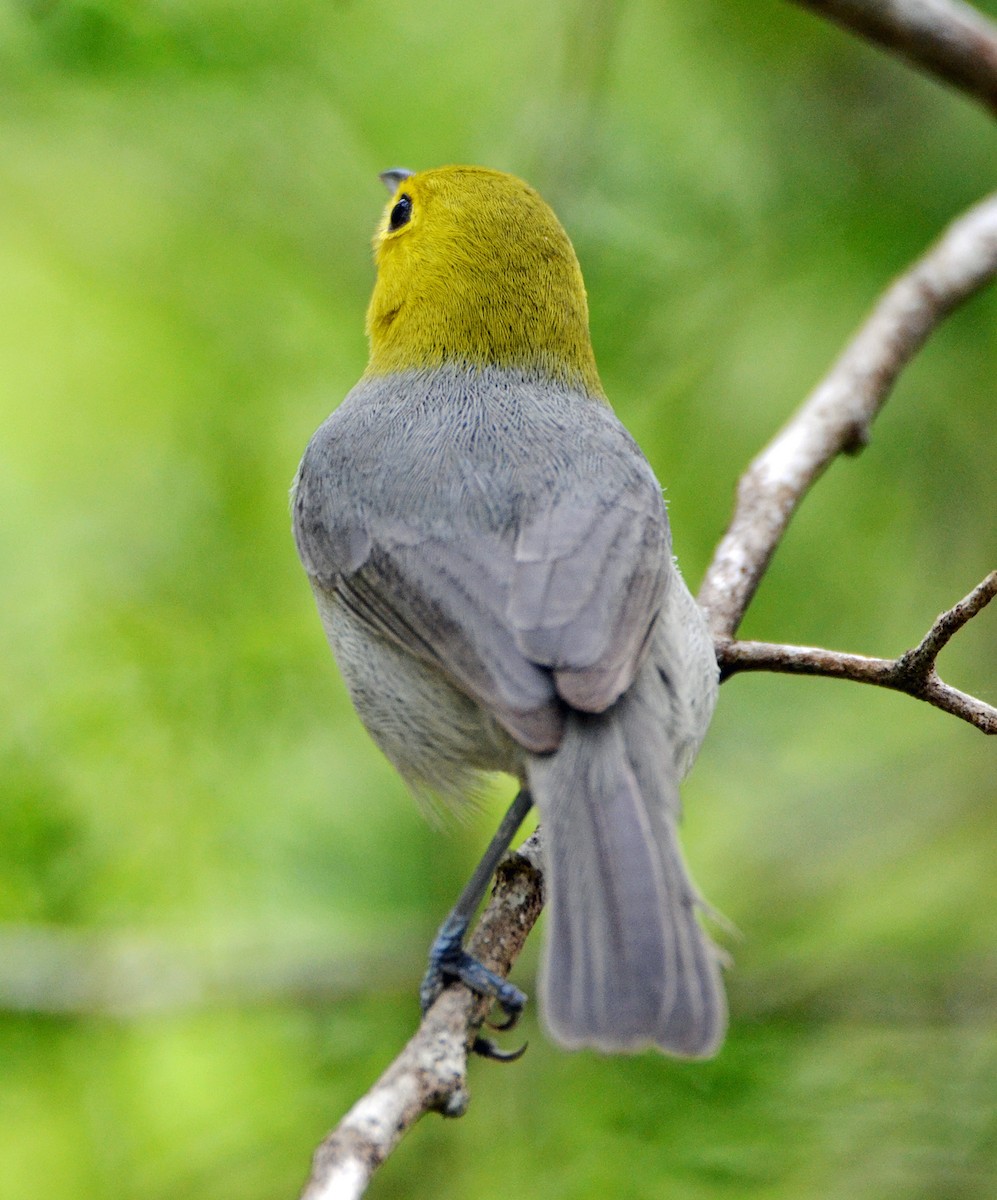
625 964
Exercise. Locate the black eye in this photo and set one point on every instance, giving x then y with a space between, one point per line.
401 213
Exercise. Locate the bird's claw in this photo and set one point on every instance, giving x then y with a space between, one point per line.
486 1048
512 1014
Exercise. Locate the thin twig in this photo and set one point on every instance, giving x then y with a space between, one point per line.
837 416
942 37
913 673
921 659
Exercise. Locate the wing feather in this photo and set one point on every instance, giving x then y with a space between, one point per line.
588 581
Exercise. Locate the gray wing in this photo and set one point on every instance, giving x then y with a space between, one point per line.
589 578
525 599
444 601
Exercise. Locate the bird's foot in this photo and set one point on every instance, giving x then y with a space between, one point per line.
449 961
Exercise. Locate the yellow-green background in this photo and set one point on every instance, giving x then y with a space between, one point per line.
187 192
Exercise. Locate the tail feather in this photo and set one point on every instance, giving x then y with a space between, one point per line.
626 963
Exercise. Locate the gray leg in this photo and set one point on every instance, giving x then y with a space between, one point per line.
448 960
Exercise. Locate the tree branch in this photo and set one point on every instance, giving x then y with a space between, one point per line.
837 416
430 1074
942 37
913 673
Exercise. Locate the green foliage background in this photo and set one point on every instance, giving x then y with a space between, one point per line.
187 193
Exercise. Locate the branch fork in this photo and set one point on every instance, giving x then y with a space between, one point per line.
913 673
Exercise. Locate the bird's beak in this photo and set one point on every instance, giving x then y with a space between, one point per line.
393 177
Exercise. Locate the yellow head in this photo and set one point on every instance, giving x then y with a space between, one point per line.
474 268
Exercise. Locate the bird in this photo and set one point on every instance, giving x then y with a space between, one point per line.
491 559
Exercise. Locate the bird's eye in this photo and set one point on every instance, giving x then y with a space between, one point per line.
401 212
